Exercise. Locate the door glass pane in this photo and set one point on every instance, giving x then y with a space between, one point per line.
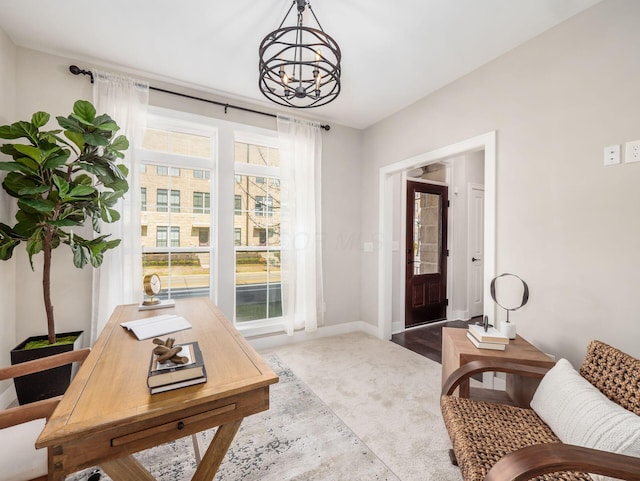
426 233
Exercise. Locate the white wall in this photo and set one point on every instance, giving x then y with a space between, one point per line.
7 268
44 83
566 224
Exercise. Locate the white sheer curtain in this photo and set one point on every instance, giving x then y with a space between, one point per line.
301 223
119 278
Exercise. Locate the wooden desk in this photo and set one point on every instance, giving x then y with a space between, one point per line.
458 350
107 413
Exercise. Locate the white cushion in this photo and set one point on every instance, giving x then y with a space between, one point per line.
578 413
19 458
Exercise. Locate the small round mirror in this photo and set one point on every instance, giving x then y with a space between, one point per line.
509 292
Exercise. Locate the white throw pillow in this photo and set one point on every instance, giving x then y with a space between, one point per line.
578 413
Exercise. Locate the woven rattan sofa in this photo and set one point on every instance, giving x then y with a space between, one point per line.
493 441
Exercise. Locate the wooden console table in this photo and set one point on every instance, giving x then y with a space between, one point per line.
458 350
108 413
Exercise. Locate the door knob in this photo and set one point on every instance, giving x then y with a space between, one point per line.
473 259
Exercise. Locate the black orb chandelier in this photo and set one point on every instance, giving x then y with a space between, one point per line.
299 66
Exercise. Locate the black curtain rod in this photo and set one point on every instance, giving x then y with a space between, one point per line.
75 70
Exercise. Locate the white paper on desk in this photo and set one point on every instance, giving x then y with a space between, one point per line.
156 326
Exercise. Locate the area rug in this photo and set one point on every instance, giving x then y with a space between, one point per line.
298 438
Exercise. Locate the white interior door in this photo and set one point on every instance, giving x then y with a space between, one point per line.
475 261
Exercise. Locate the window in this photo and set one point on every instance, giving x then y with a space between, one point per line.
264 205
143 198
178 243
164 170
175 236
162 200
201 174
161 236
143 230
201 203
175 201
257 230
203 236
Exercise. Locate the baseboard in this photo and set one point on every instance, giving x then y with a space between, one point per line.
270 342
397 327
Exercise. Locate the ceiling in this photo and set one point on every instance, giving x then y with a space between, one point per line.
393 54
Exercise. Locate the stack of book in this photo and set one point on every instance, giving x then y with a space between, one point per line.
165 376
490 338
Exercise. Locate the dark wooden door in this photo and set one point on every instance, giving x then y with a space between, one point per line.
426 248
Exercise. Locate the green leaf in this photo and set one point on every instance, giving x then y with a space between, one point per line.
34 245
82 179
95 139
104 122
57 161
6 132
109 215
36 189
63 223
75 137
81 190
40 205
31 165
62 185
32 152
16 181
15 166
84 110
79 256
7 245
40 119
120 143
70 124
25 129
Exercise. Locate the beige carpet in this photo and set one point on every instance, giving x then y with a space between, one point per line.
387 395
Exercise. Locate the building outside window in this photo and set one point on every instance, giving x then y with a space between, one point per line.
178 246
257 229
162 200
161 236
264 205
175 201
201 203
143 198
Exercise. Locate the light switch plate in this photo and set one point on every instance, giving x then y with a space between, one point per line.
632 152
612 155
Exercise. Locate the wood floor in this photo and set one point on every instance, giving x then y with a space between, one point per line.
427 340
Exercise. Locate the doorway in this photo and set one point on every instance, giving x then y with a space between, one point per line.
385 236
426 253
475 252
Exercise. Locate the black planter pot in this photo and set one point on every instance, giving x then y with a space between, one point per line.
46 384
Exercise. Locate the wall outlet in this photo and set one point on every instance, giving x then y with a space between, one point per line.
632 151
612 155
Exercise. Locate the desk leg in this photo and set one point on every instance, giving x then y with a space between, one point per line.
126 468
215 452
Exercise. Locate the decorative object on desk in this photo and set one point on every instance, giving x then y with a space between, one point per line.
152 287
166 352
150 327
60 184
496 346
515 294
184 368
484 335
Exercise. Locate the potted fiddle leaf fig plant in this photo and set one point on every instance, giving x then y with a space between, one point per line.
61 179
